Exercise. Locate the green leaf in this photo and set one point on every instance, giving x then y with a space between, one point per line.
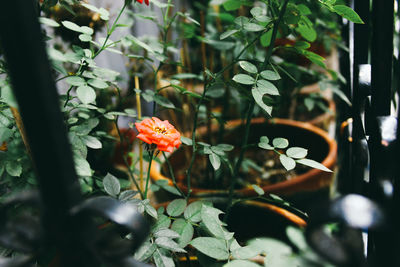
165 232
162 222
231 5
287 162
127 195
278 252
246 252
265 39
296 152
111 185
209 216
82 166
270 75
193 211
185 231
243 79
296 236
145 251
258 97
70 25
225 147
241 263
258 189
150 210
302 45
227 34
86 94
309 103
267 87
256 11
265 146
176 207
348 13
186 141
313 164
85 37
98 83
49 22
164 102
304 10
253 27
307 31
167 243
92 142
14 168
161 260
75 81
247 66
212 247
215 160
280 142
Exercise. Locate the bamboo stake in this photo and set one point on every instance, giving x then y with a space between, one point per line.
139 111
21 128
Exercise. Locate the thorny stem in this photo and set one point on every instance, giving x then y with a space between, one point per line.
171 172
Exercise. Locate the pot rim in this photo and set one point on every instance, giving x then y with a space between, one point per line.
308 181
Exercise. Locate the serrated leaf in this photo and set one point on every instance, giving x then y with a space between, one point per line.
313 164
169 244
162 222
209 216
185 231
243 79
280 142
111 185
247 66
227 34
150 210
193 211
165 232
258 97
86 94
127 195
164 102
296 152
215 160
258 189
256 11
161 260
347 13
270 75
267 87
145 251
212 247
246 252
287 162
176 207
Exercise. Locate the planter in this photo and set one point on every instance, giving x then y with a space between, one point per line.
321 148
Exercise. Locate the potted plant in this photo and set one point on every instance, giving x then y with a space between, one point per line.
248 75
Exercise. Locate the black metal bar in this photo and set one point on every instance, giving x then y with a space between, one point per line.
381 56
39 106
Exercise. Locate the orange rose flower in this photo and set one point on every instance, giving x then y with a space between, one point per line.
161 133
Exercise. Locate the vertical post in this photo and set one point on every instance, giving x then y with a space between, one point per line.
39 106
381 56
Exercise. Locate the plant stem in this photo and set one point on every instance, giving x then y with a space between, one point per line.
139 112
171 173
251 109
130 174
151 154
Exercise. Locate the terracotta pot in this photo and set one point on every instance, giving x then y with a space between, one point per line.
321 148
